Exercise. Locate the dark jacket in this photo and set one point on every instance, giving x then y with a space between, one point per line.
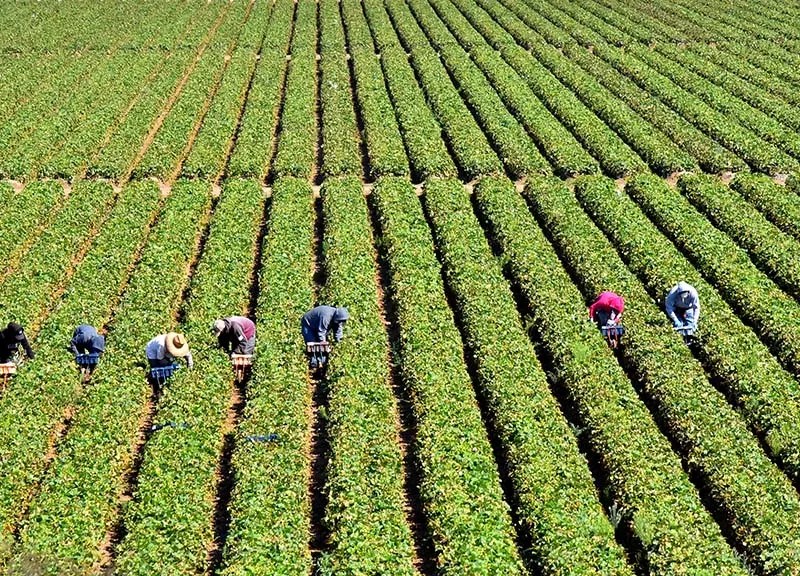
317 323
11 338
238 331
86 340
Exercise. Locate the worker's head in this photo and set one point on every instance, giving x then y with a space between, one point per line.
176 344
218 327
98 344
341 315
16 330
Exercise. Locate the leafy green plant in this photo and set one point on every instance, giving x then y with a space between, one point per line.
459 486
654 500
78 501
251 152
760 506
364 480
297 138
168 523
730 351
49 261
270 495
381 132
772 250
340 135
515 148
468 144
35 403
422 134
547 473
25 216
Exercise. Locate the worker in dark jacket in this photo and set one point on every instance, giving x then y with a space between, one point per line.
319 322
86 340
11 338
235 334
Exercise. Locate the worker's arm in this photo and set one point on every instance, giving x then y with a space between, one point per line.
339 332
322 331
27 347
189 360
669 306
72 347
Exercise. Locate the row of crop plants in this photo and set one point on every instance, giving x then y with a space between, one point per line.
339 131
164 155
121 146
169 522
467 142
213 143
95 131
364 514
105 84
36 401
654 147
773 314
422 134
552 494
754 142
710 155
656 505
25 216
736 77
513 145
296 147
73 514
752 378
614 155
270 492
363 479
381 133
466 516
759 506
47 263
771 200
253 147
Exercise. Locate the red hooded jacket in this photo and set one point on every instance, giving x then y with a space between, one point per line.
608 301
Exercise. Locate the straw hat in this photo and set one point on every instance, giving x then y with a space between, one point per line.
176 344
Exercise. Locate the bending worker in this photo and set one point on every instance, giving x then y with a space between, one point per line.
683 306
607 309
11 338
235 334
165 349
86 340
318 322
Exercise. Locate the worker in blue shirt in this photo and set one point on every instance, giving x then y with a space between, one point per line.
86 340
321 321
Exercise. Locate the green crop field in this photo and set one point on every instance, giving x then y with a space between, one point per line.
465 176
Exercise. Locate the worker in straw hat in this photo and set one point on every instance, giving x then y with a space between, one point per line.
235 334
164 349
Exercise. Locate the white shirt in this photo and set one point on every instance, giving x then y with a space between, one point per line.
156 349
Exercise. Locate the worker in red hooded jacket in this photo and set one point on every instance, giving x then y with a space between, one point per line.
607 309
